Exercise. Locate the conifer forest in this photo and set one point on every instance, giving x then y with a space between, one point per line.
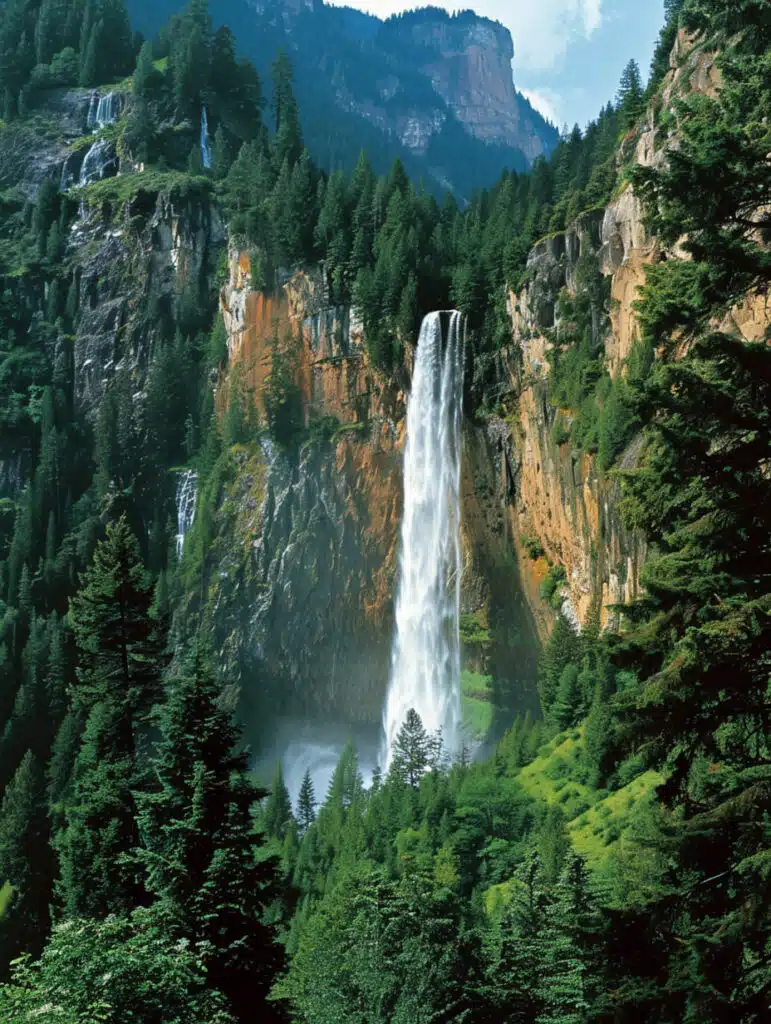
363 662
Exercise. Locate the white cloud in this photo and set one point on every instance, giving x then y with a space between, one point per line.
542 29
546 102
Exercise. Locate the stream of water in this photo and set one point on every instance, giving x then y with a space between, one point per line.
425 665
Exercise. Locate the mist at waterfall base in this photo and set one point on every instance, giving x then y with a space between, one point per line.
425 667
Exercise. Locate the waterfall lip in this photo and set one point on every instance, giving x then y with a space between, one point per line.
425 659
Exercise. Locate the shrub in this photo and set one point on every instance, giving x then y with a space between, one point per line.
550 587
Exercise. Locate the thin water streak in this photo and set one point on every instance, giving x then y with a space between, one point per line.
187 497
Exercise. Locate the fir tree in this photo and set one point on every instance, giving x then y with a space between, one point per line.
306 803
120 649
411 751
26 863
278 807
201 849
97 877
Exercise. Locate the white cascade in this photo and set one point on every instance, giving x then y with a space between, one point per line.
98 159
93 108
205 149
425 662
108 110
187 497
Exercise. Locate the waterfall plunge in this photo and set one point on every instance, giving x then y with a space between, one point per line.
187 496
425 663
205 149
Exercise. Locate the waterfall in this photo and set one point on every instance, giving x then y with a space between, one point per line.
108 110
93 107
205 150
187 496
99 159
425 662
103 110
186 499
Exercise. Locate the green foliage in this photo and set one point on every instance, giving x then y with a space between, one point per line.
282 396
533 547
200 848
411 751
113 971
551 586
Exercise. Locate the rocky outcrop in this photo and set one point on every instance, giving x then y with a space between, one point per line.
431 88
559 497
307 556
468 62
134 266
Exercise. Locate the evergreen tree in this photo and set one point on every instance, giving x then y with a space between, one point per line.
120 649
287 143
97 877
201 849
514 986
278 807
411 751
306 803
562 650
26 863
631 98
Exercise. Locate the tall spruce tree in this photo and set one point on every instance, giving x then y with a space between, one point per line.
412 751
27 864
120 646
278 807
306 803
201 849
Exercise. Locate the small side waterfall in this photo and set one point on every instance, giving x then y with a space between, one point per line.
99 160
205 149
103 110
108 110
93 108
425 662
187 497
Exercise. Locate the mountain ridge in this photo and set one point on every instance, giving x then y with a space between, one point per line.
432 88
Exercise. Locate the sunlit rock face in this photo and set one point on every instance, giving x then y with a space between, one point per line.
431 88
309 541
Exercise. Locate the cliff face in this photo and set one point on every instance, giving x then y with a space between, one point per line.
431 88
308 540
468 62
130 269
558 496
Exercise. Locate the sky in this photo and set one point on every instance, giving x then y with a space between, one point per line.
568 54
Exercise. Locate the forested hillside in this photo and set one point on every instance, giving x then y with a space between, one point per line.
609 861
431 88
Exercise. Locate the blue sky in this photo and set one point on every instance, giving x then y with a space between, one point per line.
569 54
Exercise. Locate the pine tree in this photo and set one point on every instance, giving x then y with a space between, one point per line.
200 846
306 803
120 648
411 751
562 649
514 983
26 862
278 807
630 99
97 877
287 143
566 709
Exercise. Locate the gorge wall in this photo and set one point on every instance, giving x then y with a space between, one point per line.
304 598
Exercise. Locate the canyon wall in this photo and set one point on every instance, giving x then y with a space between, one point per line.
307 557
